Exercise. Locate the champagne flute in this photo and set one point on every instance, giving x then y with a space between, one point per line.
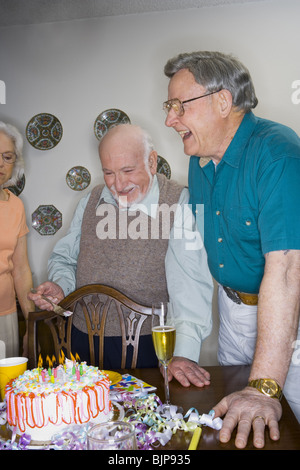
164 337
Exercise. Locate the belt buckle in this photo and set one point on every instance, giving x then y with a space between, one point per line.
241 297
233 295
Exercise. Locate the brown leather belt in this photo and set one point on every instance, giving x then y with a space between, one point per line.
241 297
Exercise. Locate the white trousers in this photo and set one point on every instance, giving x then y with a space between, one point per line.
237 340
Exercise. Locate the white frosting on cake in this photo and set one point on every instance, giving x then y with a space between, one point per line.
42 403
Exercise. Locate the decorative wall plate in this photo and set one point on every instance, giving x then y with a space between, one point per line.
46 220
18 187
78 178
44 131
163 167
107 119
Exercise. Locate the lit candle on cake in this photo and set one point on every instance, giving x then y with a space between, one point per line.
74 363
40 364
61 359
49 365
54 371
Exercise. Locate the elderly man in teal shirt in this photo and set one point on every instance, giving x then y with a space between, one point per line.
250 191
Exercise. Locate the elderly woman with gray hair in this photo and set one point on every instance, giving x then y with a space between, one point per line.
15 273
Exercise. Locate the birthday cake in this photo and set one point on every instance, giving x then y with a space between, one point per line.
43 402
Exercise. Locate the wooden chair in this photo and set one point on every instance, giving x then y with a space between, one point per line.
96 301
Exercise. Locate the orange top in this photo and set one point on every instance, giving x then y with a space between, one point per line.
12 226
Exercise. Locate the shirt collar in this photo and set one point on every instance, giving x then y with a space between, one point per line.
237 146
151 198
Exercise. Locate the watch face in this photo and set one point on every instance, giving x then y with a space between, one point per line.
269 387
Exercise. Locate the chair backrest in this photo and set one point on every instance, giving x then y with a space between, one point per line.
97 302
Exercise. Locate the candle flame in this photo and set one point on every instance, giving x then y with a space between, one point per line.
76 358
50 364
72 357
40 362
61 357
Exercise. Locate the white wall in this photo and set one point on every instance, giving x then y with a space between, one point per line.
77 69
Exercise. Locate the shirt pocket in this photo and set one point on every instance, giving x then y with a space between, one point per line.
241 221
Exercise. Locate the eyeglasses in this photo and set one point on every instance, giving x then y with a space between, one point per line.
177 105
9 157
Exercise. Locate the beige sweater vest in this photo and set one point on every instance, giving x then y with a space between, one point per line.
132 262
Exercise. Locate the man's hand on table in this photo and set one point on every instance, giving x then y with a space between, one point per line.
51 290
246 410
188 372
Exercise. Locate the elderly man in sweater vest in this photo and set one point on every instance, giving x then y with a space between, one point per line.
107 243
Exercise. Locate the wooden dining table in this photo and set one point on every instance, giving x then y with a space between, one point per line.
224 380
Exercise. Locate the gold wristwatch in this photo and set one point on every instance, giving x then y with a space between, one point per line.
268 387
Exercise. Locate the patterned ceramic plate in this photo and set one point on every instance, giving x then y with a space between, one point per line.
18 187
46 220
108 119
78 178
163 167
44 131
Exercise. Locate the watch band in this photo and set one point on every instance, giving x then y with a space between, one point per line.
268 387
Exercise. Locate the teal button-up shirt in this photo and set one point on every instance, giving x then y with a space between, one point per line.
251 201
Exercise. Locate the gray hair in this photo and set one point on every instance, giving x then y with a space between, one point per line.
17 140
148 145
141 135
215 71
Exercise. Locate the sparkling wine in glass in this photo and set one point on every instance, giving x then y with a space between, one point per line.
164 337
